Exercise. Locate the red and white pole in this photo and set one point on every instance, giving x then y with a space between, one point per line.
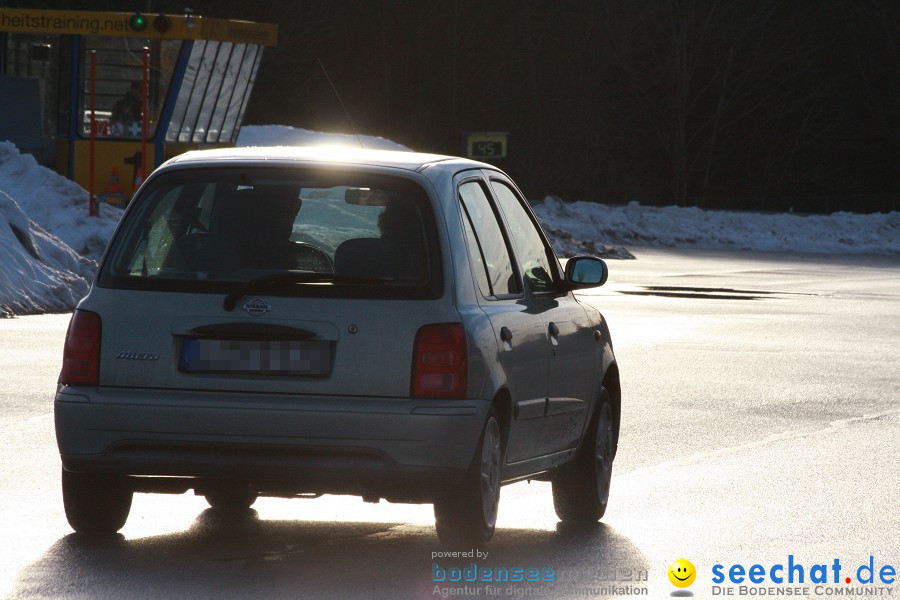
144 112
91 206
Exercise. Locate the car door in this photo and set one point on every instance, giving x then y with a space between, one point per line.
518 328
568 338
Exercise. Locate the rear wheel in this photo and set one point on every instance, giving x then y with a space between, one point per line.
230 496
468 514
96 504
581 489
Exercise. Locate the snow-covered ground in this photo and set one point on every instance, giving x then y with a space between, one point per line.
49 246
575 226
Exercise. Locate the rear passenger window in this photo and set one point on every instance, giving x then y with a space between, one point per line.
487 245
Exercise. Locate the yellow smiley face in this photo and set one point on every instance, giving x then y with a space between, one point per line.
682 573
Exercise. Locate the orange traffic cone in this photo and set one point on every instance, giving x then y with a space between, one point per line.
114 187
113 193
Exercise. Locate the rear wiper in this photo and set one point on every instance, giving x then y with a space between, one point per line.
289 279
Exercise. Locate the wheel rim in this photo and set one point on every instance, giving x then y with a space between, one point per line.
604 453
490 472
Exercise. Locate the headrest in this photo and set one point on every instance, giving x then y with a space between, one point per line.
257 213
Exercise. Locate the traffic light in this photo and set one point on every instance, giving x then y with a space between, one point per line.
138 22
161 23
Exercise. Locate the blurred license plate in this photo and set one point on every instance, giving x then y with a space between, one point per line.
276 357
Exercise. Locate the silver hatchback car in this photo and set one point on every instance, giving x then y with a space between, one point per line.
304 321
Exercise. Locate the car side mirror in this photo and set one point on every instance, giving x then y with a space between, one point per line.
586 271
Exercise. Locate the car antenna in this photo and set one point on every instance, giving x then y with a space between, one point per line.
341 101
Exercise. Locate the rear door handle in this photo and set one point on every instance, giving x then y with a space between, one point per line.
506 334
553 330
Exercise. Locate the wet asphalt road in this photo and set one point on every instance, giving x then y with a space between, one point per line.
761 421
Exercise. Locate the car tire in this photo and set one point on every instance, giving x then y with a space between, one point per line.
468 513
96 505
581 488
234 497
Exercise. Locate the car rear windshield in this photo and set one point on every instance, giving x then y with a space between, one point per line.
315 233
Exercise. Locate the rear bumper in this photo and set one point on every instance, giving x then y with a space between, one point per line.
399 449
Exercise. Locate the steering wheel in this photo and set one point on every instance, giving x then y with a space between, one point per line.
311 258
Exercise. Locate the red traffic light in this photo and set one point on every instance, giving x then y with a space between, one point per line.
161 23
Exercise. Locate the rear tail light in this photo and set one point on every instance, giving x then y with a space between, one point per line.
81 357
439 362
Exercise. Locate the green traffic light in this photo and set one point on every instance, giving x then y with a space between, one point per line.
138 22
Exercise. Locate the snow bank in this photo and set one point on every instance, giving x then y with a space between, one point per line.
38 271
57 204
48 243
584 223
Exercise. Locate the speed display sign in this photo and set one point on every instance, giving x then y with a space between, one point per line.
486 145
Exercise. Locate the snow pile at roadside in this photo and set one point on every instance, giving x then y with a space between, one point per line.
577 226
38 271
57 204
48 243
284 135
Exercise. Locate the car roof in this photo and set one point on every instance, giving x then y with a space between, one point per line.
344 155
